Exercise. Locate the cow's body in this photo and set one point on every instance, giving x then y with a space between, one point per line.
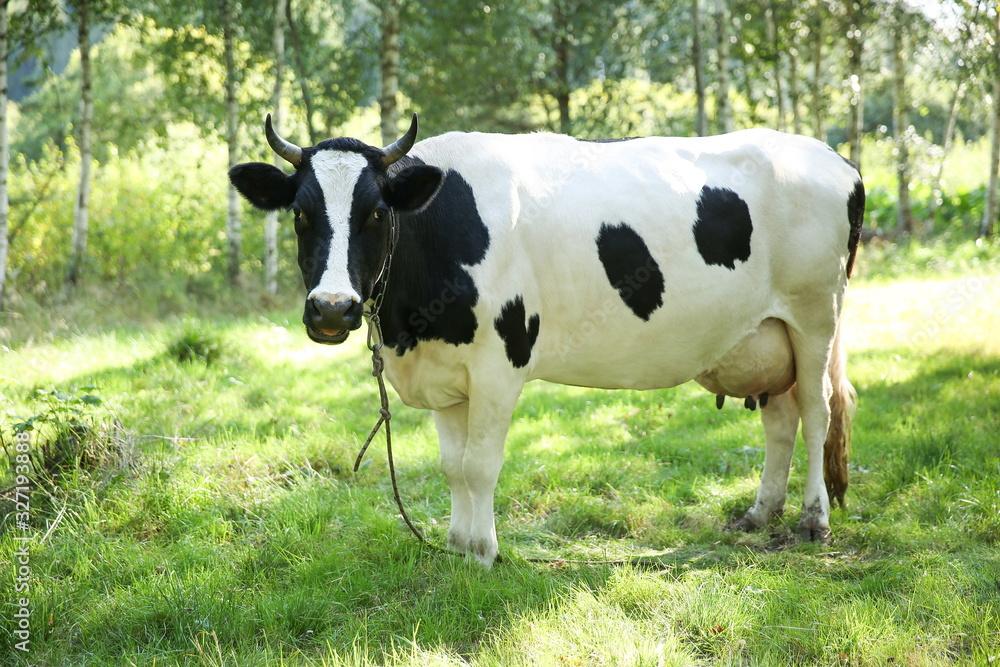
642 264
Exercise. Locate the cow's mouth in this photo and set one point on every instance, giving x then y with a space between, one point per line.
327 336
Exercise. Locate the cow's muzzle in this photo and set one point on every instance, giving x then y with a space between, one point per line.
331 322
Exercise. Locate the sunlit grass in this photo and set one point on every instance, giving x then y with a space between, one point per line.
239 535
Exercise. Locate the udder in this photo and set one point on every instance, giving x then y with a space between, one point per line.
761 363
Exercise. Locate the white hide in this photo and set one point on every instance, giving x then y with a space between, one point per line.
543 199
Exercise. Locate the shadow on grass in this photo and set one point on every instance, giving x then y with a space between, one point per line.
322 558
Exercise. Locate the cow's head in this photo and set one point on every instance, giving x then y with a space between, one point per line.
342 194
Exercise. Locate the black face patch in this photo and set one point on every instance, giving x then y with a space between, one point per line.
856 217
518 337
723 228
430 296
631 268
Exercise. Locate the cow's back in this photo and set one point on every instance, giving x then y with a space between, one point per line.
672 247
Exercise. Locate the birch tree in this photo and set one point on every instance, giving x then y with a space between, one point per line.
4 149
271 221
817 35
701 122
81 205
772 37
725 108
855 16
234 239
988 223
900 123
390 71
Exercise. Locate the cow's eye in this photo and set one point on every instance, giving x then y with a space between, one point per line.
300 221
380 214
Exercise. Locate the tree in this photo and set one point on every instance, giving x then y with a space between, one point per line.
986 226
725 109
4 149
817 35
81 209
774 46
303 77
701 123
388 98
899 29
271 220
855 18
234 238
797 34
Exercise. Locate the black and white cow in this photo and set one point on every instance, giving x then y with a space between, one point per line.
642 264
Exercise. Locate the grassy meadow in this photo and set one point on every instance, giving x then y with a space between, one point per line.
209 515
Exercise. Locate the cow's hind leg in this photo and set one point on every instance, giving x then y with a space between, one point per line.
781 423
812 354
453 432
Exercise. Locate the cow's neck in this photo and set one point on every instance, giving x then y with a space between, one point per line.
429 295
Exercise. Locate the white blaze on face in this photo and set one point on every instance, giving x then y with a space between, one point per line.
337 173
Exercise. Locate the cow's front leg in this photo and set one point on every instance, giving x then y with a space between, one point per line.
453 432
490 411
781 423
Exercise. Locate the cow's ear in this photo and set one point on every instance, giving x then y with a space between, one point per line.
264 185
413 187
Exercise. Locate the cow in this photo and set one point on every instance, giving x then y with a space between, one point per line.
640 263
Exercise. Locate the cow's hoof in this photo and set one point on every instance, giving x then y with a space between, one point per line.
754 519
810 533
457 544
485 552
744 525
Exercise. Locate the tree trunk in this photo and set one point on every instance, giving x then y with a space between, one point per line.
81 207
271 221
4 150
818 104
986 227
301 75
856 123
701 122
233 231
725 112
949 135
390 71
559 22
772 37
904 213
793 89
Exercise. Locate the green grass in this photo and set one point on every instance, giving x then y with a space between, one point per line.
223 524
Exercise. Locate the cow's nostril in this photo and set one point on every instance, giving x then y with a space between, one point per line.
352 316
324 315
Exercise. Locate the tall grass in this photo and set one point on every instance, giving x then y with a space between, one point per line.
233 531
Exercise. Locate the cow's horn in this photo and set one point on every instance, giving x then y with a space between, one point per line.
401 146
285 149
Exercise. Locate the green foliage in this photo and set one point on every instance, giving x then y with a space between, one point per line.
196 344
941 256
630 108
155 221
64 412
59 431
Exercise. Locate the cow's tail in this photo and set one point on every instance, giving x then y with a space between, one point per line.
843 403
